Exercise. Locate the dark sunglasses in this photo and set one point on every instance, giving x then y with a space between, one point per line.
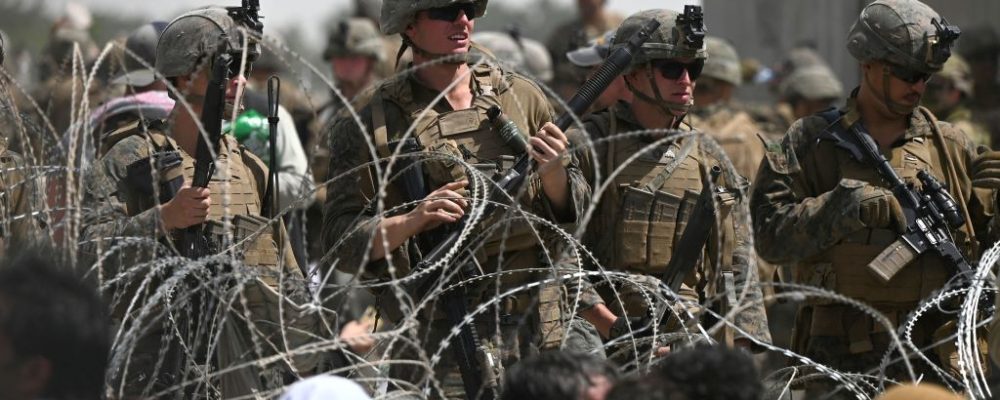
450 13
674 69
909 76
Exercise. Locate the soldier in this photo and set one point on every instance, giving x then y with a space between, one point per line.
593 20
734 129
981 48
125 196
641 240
948 95
810 90
363 240
818 208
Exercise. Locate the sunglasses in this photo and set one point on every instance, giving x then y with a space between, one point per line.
909 76
674 69
450 13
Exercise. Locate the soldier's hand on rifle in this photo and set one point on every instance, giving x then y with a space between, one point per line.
188 207
985 169
548 148
879 209
442 206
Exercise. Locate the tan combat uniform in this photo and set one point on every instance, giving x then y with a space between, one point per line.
645 211
805 213
351 216
121 210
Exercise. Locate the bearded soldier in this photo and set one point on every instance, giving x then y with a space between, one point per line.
820 208
640 217
129 197
362 238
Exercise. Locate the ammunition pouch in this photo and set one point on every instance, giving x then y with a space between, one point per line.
167 164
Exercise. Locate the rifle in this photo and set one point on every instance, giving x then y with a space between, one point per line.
192 243
699 226
470 356
929 213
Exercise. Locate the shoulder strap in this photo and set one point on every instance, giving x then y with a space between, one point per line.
654 184
379 128
150 131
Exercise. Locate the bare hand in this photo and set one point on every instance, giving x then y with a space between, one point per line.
663 351
358 336
443 206
189 207
548 147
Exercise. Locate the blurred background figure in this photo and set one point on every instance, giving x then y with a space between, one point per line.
980 46
593 20
54 332
522 55
948 96
810 90
590 58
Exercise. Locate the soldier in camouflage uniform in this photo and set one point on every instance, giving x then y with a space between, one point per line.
980 46
126 201
948 95
645 209
830 215
363 238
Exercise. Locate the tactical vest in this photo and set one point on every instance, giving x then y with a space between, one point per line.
651 202
735 132
461 134
236 205
842 267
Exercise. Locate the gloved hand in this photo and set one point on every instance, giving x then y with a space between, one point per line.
880 209
640 327
985 169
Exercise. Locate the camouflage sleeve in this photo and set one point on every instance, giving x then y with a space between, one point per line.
790 225
349 215
107 221
980 202
739 284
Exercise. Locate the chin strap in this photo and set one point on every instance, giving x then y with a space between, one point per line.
666 106
892 106
442 58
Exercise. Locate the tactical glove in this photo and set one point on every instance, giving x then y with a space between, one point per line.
640 327
879 209
985 169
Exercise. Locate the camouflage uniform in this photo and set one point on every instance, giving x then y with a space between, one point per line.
638 223
18 200
527 320
255 291
808 202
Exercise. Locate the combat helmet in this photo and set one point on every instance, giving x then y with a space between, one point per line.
677 37
398 14
903 33
723 63
191 38
355 37
959 74
680 36
816 82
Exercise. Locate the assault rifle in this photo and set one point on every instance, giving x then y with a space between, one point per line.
474 363
930 213
225 64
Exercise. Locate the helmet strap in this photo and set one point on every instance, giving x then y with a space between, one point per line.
665 106
892 106
444 58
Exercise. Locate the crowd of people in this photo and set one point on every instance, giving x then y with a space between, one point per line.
464 217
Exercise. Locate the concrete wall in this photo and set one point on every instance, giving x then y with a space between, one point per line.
765 29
